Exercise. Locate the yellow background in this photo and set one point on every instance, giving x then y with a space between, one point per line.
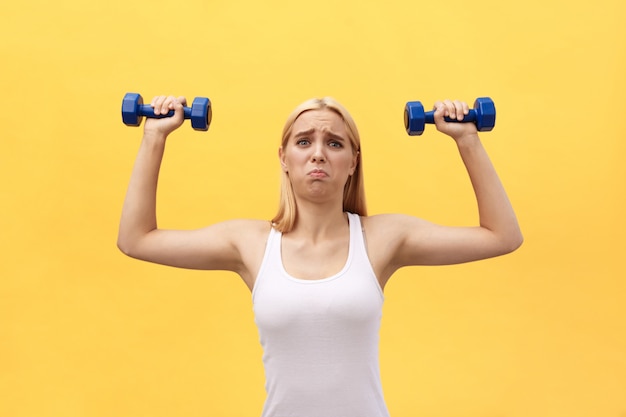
85 331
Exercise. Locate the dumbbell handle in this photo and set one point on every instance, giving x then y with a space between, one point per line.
147 110
429 117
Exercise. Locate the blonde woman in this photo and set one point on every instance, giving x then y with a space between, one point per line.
317 271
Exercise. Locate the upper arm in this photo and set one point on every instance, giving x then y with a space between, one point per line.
216 247
406 240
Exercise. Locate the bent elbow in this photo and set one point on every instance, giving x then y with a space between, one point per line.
126 247
123 247
512 243
134 245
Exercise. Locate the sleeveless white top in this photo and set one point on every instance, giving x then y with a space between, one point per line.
320 337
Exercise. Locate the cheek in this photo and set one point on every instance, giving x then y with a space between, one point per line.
352 162
292 158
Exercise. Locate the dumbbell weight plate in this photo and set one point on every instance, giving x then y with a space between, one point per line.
414 120
130 104
201 113
486 114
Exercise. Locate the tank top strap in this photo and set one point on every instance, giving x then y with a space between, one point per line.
357 240
272 252
359 247
355 223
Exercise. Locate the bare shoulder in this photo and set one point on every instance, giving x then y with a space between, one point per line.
250 238
389 226
385 234
247 232
390 231
249 226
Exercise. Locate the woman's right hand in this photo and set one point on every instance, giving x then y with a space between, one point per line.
163 105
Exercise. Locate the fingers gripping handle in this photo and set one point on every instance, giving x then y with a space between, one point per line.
429 117
146 110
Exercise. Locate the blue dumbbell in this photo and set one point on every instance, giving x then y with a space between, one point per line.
483 115
133 111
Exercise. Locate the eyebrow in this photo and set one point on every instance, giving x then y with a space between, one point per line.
329 134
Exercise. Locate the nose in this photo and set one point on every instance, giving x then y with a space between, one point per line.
318 154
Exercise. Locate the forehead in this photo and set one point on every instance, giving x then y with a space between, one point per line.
321 119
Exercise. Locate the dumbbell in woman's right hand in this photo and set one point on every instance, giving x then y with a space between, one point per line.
133 110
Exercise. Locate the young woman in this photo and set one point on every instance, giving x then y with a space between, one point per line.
317 270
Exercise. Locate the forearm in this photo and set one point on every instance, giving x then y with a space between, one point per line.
139 210
495 211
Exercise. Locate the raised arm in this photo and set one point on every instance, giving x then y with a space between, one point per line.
219 246
139 219
413 241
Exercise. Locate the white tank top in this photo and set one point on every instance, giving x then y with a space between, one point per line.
320 337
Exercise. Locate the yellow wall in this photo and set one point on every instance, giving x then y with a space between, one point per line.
85 331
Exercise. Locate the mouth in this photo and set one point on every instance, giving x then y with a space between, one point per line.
317 173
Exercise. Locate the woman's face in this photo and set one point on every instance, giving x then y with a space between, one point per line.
318 157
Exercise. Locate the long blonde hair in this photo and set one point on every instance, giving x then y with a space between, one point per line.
353 192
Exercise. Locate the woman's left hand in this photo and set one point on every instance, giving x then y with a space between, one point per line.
454 110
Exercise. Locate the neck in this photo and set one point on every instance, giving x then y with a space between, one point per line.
319 220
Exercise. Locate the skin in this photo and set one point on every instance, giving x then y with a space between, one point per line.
318 159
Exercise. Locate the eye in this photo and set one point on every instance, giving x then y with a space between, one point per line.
335 144
302 142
